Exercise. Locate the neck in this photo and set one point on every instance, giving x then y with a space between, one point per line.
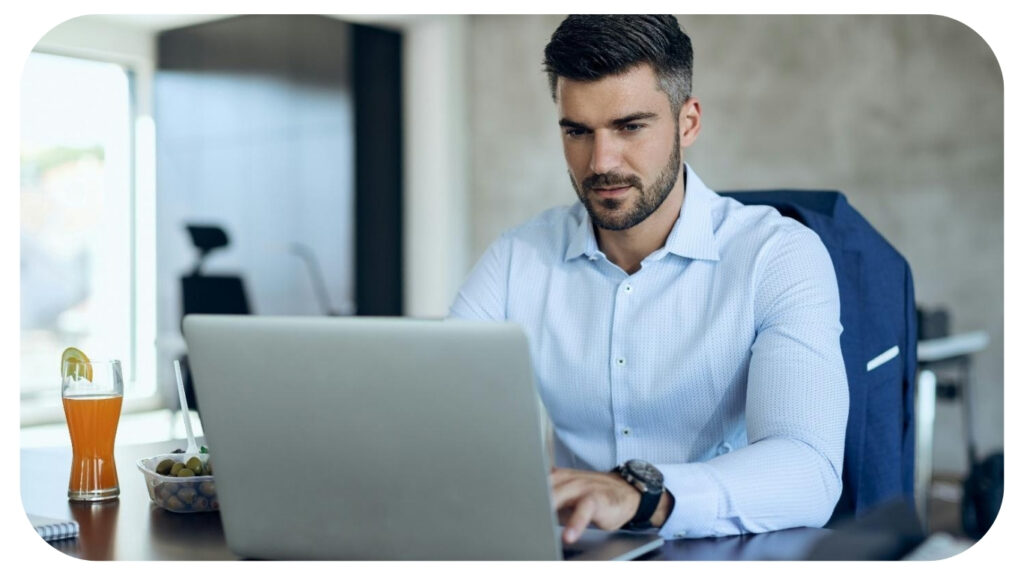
628 248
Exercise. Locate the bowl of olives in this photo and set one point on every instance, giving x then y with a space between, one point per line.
181 482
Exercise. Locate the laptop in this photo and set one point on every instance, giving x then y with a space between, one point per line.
380 439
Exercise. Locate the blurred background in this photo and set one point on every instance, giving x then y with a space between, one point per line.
337 165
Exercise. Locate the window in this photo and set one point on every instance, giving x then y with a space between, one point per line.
78 245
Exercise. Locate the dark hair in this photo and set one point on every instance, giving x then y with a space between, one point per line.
592 46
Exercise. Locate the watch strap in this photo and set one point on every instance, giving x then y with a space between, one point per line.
648 505
648 502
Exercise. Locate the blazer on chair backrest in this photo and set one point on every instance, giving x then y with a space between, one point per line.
879 345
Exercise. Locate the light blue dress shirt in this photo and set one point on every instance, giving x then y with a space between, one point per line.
718 361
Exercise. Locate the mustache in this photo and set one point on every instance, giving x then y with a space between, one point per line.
610 179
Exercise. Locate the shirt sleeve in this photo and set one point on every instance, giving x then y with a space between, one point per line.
790 472
484 294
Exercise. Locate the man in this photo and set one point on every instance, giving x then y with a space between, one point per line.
686 347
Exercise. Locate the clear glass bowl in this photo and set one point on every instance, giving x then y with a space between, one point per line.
179 494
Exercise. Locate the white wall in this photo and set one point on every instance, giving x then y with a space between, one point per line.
92 37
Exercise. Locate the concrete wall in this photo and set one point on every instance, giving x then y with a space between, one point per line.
904 114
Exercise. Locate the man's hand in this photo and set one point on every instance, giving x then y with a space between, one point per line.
604 499
585 497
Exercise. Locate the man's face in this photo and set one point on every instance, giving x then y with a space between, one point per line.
621 143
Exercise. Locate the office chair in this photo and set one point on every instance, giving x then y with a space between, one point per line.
208 294
876 293
202 293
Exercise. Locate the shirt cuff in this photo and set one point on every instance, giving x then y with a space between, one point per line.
696 496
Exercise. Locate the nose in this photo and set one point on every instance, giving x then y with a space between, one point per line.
606 155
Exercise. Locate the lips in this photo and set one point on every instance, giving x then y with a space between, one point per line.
611 192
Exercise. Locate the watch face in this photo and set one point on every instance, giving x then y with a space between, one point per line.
646 472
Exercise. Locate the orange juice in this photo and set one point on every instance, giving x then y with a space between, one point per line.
92 421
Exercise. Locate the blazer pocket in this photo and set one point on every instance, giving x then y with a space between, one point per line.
884 357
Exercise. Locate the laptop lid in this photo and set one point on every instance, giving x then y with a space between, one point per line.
373 438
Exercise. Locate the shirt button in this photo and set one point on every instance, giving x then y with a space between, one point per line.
629 288
626 431
620 361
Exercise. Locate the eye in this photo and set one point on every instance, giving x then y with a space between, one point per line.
632 127
575 132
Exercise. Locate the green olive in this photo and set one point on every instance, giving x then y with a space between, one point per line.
200 504
195 464
164 467
207 488
173 503
178 466
186 472
187 494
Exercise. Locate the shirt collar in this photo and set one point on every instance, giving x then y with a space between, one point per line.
692 234
582 242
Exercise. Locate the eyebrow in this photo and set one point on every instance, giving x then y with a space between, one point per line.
567 123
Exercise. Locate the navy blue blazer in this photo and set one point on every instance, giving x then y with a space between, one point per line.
877 310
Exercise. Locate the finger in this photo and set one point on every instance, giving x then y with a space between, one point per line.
560 475
585 508
564 475
564 514
564 494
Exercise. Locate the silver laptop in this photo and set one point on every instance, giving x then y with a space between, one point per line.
379 438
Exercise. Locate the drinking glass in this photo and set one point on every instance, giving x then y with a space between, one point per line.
92 392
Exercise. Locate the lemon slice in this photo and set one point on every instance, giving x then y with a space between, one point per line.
69 361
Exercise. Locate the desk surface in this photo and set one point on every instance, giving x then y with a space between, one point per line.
131 528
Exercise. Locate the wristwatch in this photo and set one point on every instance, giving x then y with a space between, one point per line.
650 483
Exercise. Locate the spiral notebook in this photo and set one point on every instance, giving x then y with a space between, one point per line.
51 529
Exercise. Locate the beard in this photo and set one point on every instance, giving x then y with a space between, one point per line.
608 213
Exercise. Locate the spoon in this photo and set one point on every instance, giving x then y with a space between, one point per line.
192 448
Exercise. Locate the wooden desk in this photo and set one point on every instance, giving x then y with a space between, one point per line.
132 528
128 528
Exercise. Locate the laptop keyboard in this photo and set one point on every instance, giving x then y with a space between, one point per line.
568 553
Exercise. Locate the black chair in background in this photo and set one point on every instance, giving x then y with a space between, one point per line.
208 294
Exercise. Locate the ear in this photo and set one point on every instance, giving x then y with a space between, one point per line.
689 122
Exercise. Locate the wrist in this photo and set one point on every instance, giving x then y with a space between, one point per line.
647 480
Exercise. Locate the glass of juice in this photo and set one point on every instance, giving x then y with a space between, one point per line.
92 392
